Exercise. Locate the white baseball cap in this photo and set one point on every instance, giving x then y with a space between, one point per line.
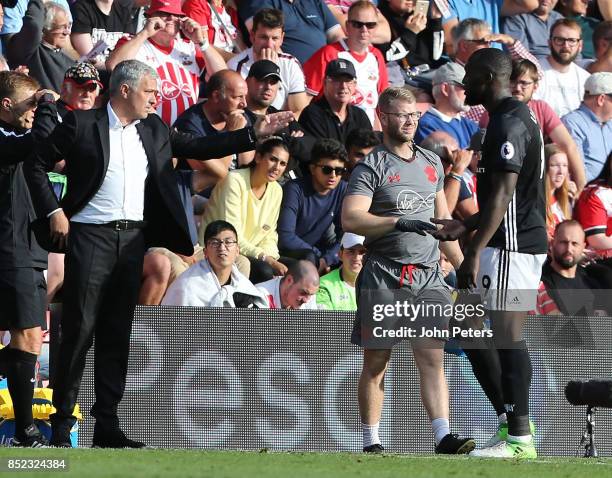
351 240
599 84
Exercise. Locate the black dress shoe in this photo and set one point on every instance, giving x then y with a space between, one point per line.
114 439
60 435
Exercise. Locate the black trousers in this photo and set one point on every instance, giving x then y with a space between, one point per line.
103 268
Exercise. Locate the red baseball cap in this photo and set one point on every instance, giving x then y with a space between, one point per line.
172 7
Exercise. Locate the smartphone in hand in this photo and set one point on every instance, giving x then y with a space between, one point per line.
422 6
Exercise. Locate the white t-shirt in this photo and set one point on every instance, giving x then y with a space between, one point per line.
271 290
292 76
562 91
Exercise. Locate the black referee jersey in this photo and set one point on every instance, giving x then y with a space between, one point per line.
18 248
513 142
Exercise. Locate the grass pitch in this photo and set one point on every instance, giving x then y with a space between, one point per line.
88 463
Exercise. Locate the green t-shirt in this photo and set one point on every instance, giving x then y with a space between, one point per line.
335 294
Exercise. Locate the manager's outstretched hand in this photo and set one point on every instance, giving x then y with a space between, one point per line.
452 229
411 225
273 122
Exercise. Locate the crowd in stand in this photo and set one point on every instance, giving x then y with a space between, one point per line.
266 223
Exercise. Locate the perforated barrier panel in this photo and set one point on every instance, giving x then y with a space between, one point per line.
253 379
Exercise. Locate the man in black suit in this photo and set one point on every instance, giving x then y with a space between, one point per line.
122 198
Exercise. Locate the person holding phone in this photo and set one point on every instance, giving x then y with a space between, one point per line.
177 47
416 32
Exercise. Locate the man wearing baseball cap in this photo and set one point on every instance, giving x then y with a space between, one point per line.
333 115
178 60
449 103
267 37
357 48
80 88
337 289
591 124
264 81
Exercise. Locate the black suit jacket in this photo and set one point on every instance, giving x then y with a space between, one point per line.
82 139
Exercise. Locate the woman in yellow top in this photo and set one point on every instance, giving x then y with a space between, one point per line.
250 200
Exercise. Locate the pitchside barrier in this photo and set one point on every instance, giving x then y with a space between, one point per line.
287 380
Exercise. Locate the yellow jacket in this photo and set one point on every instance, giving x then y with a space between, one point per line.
255 220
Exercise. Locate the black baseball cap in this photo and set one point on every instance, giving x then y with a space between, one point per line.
263 69
340 67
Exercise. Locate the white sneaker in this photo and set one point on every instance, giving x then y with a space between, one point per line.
507 450
501 435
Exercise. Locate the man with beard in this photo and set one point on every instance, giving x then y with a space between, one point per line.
566 288
504 257
577 10
562 86
532 28
449 103
392 194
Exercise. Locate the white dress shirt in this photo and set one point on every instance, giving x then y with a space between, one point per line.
121 195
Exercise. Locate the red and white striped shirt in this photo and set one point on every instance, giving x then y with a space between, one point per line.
179 67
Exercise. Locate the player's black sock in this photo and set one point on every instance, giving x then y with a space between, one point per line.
21 373
487 370
516 380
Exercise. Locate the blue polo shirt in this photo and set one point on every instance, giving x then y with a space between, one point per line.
593 138
307 23
487 10
531 31
462 129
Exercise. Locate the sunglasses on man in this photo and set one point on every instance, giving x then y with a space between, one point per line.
359 25
327 170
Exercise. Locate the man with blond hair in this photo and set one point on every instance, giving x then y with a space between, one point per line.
402 261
